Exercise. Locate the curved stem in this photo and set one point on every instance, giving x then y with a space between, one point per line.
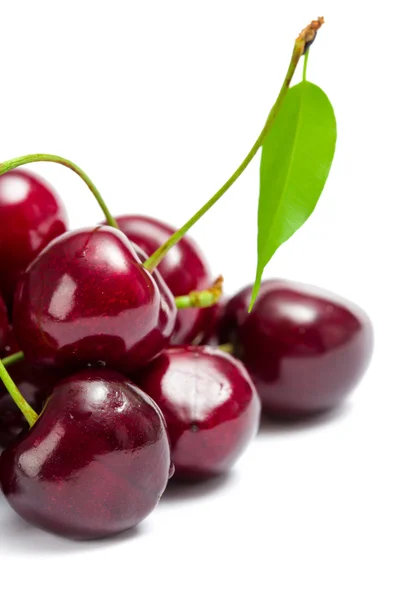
32 158
30 415
13 358
305 38
201 298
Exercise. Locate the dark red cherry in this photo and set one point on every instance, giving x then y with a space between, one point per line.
212 317
305 348
184 269
95 463
168 307
10 345
3 325
210 405
87 300
35 384
30 216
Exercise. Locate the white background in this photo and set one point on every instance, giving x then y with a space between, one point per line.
159 101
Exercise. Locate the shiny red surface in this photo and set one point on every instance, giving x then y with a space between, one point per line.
3 325
184 269
95 463
305 348
30 216
210 405
35 384
86 300
212 317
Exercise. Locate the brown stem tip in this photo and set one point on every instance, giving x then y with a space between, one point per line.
307 36
217 287
213 294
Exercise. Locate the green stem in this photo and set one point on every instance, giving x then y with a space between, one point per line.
304 38
201 298
33 158
228 348
305 65
30 415
13 358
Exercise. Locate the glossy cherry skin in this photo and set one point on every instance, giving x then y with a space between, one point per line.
86 300
31 216
305 348
35 384
184 269
3 325
210 405
212 324
95 463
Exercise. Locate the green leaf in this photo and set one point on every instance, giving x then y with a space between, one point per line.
296 158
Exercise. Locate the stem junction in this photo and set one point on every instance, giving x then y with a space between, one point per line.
201 298
13 358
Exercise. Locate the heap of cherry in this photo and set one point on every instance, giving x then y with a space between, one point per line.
108 362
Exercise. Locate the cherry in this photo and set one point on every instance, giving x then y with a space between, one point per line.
35 384
184 269
86 300
209 403
10 345
212 316
95 463
31 217
304 347
3 325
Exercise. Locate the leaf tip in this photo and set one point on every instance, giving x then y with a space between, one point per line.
254 294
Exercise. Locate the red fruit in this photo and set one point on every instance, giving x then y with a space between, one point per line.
209 403
305 348
212 317
3 325
31 216
87 300
10 344
35 384
95 463
184 269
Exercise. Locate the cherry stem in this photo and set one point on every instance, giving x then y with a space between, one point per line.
201 298
301 44
30 415
33 158
305 65
13 358
228 348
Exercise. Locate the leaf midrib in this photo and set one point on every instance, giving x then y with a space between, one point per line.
290 165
